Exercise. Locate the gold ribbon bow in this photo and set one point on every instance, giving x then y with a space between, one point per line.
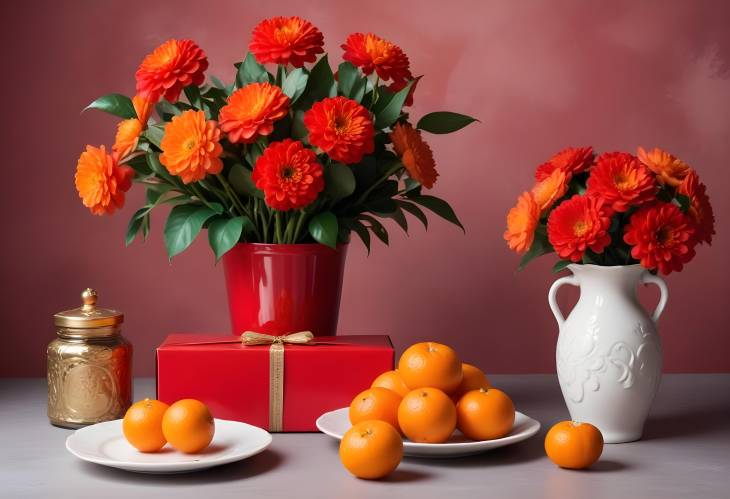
276 368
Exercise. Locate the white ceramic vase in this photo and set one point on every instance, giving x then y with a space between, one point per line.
609 356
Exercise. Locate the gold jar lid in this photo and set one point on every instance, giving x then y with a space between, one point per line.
88 315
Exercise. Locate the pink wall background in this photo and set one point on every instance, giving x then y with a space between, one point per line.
540 75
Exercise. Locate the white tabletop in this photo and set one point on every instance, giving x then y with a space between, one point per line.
685 453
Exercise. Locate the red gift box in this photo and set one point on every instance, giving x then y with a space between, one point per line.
233 379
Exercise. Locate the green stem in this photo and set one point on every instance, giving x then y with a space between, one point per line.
277 226
298 228
200 195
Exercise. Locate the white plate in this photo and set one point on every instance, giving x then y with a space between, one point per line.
104 443
336 423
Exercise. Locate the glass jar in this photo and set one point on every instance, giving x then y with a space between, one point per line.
89 366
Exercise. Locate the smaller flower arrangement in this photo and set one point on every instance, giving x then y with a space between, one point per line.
285 154
616 209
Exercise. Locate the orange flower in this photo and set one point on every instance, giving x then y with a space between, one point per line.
415 154
340 127
661 236
669 169
190 147
127 137
700 209
551 189
100 181
522 221
571 160
289 174
621 180
169 68
251 112
578 224
143 108
286 40
372 53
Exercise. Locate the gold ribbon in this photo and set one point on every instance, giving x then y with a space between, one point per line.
276 368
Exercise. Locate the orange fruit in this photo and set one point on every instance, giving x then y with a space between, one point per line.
574 445
473 379
485 414
392 380
188 426
142 425
430 364
375 403
371 449
427 415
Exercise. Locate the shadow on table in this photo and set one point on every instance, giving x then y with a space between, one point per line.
686 424
241 470
522 452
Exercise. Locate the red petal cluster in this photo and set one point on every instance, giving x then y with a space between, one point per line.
100 181
621 180
661 236
286 40
700 209
289 174
169 68
578 224
342 128
251 112
571 160
372 53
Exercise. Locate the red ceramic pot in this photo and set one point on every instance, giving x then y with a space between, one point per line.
283 288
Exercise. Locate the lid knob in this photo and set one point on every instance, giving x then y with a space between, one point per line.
89 298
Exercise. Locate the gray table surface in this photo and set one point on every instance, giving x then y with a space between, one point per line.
685 453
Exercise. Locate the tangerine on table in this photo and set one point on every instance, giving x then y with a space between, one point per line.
427 415
371 449
485 414
142 425
392 380
376 403
473 379
188 426
574 445
430 364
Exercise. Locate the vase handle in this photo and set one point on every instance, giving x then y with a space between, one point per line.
649 278
552 297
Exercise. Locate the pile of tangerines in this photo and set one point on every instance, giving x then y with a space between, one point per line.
186 425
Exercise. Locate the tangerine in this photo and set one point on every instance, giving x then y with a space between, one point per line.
142 425
392 380
485 414
375 403
371 449
574 445
473 379
430 364
427 415
188 426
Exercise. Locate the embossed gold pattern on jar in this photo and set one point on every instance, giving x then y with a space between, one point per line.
89 366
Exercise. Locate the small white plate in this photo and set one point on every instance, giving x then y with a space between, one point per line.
104 443
336 423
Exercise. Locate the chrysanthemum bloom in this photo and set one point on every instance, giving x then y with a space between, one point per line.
340 127
251 112
551 189
289 174
127 137
669 169
571 160
169 68
286 40
621 180
190 147
143 108
578 224
661 237
100 181
700 209
522 221
415 154
371 53
397 86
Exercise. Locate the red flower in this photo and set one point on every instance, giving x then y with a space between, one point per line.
289 174
577 224
700 209
251 112
621 180
661 236
571 160
372 53
340 127
286 40
169 68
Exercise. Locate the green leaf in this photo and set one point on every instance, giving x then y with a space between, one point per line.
183 226
193 94
362 232
250 71
350 83
561 265
323 228
116 104
224 233
540 246
339 181
412 185
295 83
444 122
166 111
321 80
399 218
376 227
135 223
217 82
298 130
392 110
154 134
139 165
439 207
382 207
242 183
413 210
